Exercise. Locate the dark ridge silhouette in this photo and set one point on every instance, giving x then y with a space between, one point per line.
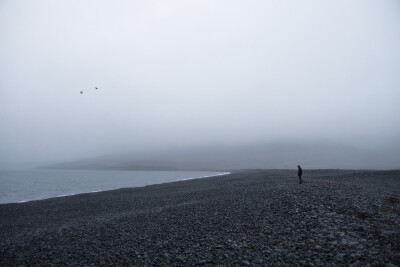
284 155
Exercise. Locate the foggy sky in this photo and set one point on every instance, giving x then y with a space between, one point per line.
191 73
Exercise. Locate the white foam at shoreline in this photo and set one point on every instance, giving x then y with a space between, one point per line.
226 173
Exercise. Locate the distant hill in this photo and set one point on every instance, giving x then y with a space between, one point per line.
311 154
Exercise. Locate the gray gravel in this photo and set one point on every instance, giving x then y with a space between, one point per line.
246 218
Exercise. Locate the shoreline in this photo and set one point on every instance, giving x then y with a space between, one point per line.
259 217
207 176
97 191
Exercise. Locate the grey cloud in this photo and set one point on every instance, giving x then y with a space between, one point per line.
176 74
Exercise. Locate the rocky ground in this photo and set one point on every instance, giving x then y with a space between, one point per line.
246 218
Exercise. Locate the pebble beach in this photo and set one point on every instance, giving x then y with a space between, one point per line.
246 218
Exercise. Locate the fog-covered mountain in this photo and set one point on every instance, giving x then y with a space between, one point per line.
310 154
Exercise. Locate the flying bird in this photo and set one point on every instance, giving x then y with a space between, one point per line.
81 92
96 88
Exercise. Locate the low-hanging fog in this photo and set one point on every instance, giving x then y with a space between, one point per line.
290 76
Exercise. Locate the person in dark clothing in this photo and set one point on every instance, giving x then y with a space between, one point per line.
299 173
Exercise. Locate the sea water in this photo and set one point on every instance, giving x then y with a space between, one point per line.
26 185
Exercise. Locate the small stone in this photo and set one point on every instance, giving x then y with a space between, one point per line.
339 257
330 236
374 252
352 244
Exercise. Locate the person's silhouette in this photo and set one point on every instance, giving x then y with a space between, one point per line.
299 173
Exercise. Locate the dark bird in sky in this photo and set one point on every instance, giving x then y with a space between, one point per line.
81 92
96 88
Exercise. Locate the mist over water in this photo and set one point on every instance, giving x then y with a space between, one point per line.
200 84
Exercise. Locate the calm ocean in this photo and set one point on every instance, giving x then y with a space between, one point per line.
26 185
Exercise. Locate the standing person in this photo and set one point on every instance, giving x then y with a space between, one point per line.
299 172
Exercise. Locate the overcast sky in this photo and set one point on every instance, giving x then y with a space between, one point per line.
187 73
